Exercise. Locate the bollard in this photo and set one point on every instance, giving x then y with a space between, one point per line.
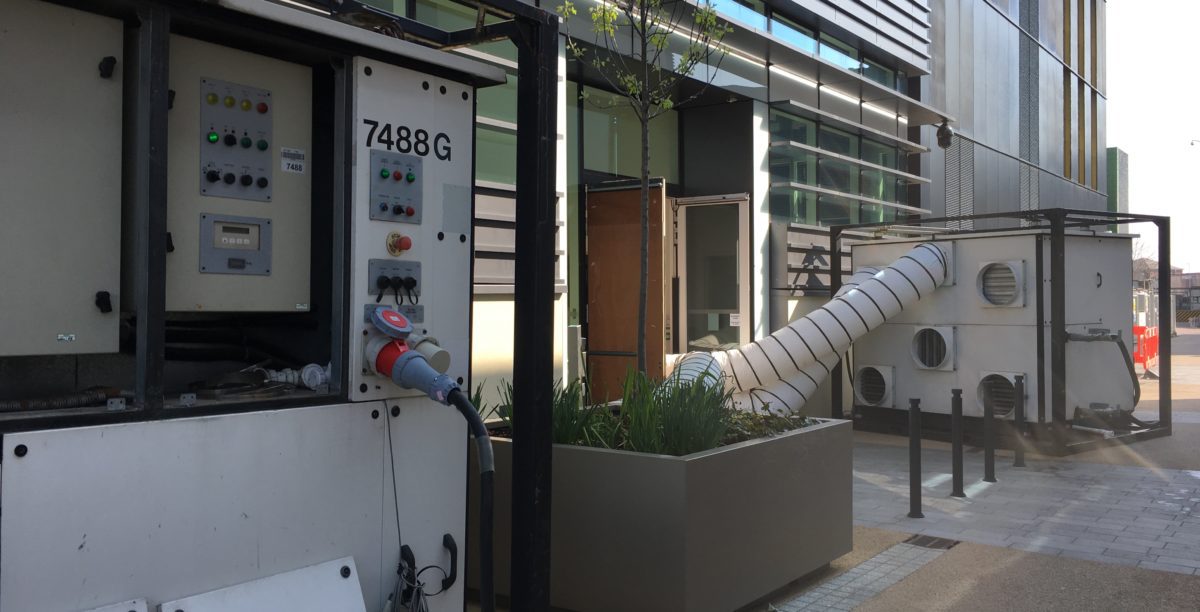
914 459
956 441
1019 422
989 441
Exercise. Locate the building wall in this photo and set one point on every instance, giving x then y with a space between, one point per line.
1024 80
900 28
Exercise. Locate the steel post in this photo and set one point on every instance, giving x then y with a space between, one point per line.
1019 421
989 441
956 441
914 459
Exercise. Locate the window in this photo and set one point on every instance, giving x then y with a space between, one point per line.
839 53
880 74
612 138
798 36
836 211
749 12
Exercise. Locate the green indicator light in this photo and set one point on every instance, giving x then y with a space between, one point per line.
214 137
262 145
384 173
410 177
246 142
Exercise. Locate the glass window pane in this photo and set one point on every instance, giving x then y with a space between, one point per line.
798 36
793 165
878 185
879 154
495 155
837 174
836 211
749 12
499 101
880 74
790 127
711 285
793 205
871 213
612 138
446 14
838 141
839 53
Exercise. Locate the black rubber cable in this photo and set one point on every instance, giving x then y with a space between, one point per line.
487 469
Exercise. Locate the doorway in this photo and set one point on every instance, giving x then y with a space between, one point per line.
712 273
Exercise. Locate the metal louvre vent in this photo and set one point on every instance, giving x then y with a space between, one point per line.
998 390
872 386
999 284
930 348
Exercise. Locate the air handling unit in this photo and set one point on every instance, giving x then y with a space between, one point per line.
1045 301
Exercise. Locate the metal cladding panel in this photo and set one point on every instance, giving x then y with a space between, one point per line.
199 70
403 111
332 585
60 168
168 509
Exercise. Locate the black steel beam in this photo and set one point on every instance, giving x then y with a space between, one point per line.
835 283
146 154
1058 319
533 344
495 31
1164 314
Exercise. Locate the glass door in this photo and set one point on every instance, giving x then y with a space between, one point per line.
713 268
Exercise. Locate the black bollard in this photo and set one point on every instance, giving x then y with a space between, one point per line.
956 441
1019 422
989 441
914 459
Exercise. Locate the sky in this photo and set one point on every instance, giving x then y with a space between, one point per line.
1154 113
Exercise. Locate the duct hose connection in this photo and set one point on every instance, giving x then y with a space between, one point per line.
782 371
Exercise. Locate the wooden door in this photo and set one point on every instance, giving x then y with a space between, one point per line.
614 267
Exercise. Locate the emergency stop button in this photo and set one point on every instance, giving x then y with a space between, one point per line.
398 243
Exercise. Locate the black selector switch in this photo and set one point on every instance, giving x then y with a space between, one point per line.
212 176
229 178
230 140
397 209
247 180
263 182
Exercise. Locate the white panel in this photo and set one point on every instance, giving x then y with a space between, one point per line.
286 287
411 112
133 605
60 168
167 509
332 585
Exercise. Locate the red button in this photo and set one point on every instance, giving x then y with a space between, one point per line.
405 243
397 175
410 211
262 107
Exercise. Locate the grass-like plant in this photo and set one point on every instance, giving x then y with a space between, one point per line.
671 418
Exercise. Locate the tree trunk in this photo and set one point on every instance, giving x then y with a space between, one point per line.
645 260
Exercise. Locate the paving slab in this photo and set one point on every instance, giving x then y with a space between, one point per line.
982 578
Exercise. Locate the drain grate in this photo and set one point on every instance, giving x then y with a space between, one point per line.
925 541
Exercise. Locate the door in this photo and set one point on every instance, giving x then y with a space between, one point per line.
712 264
613 271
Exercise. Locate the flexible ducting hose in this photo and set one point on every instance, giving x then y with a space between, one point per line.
784 369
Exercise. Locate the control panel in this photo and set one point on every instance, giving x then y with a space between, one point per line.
411 215
235 141
60 180
239 192
395 192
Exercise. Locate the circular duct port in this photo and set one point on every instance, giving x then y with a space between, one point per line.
998 283
999 391
929 347
872 386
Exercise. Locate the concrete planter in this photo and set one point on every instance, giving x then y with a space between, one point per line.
714 530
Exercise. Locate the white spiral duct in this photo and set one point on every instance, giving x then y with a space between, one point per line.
785 368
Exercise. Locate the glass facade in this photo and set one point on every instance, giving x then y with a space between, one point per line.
808 160
612 139
748 12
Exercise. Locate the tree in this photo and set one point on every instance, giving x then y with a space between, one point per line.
644 49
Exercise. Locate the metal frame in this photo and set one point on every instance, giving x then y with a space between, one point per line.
535 33
1057 220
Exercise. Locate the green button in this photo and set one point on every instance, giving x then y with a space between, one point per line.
262 145
410 177
384 173
246 142
214 137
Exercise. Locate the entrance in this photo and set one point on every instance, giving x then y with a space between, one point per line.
712 268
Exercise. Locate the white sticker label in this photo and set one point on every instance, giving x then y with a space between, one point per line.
292 160
735 319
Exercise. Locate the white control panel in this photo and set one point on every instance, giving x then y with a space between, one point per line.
411 213
239 202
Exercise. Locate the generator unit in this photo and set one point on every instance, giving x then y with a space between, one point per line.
989 323
235 325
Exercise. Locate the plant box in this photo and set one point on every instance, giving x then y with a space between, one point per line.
714 530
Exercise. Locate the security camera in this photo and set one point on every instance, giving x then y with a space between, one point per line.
945 135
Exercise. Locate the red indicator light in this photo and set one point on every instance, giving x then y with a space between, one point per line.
397 175
262 107
410 211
